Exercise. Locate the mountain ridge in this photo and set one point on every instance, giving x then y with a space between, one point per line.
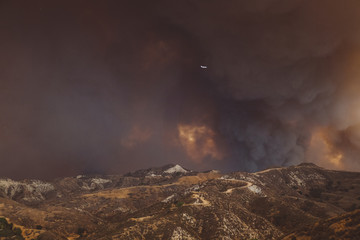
276 203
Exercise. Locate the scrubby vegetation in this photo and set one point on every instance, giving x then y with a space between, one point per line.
8 231
39 227
179 204
346 226
81 231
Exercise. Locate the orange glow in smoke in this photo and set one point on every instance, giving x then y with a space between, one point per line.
336 159
323 153
198 142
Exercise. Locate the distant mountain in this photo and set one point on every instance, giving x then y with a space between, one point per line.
172 202
166 170
176 169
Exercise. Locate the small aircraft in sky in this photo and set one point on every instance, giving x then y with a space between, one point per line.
203 66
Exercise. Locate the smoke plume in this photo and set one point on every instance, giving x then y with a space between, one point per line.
107 87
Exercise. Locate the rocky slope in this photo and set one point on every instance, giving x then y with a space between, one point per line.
171 202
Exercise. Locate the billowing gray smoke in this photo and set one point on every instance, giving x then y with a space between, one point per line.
113 86
286 72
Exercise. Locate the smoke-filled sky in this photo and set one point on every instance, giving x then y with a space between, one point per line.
112 86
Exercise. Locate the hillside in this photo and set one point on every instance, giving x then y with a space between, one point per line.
171 202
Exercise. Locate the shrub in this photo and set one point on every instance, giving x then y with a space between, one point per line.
7 230
3 221
179 204
17 231
81 231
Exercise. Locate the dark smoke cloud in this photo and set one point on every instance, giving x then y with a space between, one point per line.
89 86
